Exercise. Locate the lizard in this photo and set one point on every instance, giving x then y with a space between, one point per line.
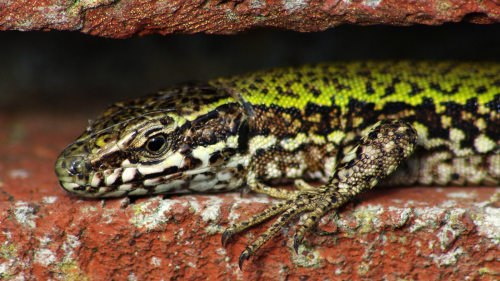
349 125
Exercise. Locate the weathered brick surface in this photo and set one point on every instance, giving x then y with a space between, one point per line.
392 234
125 18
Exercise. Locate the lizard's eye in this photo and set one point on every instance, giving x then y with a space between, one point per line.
156 144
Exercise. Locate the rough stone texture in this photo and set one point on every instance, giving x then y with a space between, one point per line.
124 18
392 234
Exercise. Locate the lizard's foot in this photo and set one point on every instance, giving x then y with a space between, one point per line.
377 155
313 205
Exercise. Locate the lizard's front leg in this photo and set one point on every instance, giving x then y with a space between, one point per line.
377 155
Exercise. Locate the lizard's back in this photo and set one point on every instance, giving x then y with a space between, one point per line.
314 113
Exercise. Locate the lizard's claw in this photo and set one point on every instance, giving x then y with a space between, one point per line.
296 243
228 233
243 257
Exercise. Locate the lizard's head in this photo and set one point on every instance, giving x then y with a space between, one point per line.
169 142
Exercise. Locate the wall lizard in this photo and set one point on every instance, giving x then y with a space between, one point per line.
346 125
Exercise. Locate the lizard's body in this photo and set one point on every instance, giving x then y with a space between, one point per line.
297 123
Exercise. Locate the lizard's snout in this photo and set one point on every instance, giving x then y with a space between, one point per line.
72 170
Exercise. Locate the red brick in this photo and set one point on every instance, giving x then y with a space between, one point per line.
119 19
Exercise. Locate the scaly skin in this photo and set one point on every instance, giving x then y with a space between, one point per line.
348 125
